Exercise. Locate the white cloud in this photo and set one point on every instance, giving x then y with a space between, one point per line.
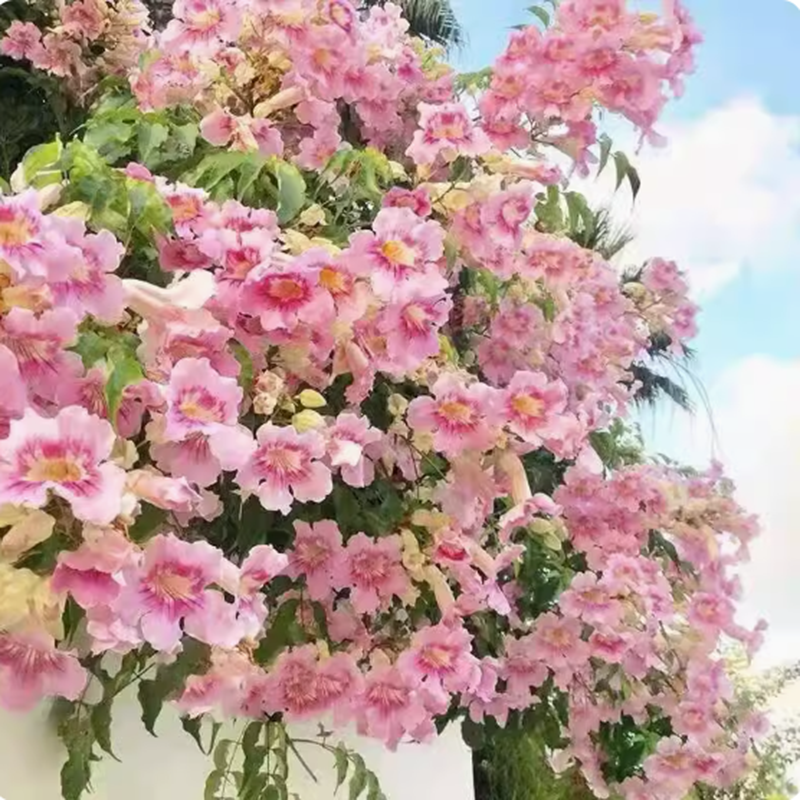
756 417
722 195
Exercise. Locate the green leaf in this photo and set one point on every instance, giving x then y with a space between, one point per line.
214 168
91 347
111 138
101 724
147 523
169 680
213 784
253 782
125 370
42 162
291 189
75 776
222 754
623 165
605 151
245 360
194 727
474 735
248 173
270 793
342 763
278 635
150 136
543 15
634 180
374 788
359 780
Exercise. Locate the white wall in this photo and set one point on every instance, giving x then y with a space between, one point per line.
171 767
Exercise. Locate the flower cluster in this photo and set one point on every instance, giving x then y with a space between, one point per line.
339 437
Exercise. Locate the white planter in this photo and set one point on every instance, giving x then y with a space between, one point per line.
171 767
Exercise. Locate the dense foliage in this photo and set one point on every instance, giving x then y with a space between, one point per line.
312 400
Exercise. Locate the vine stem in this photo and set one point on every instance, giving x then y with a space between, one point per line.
291 743
229 766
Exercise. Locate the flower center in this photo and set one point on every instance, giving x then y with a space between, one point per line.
527 406
387 696
449 126
54 470
397 252
286 289
437 657
169 585
184 208
332 280
206 20
284 460
456 411
201 406
14 231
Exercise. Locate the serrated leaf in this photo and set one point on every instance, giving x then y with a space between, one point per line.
605 151
342 764
101 725
291 190
125 370
150 136
541 14
359 780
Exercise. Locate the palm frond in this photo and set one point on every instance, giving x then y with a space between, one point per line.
432 20
603 235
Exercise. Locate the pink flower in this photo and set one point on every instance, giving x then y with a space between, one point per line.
201 424
316 151
202 26
373 571
188 207
403 248
417 200
283 298
88 288
441 656
317 555
710 613
263 563
13 398
460 417
446 129
411 324
558 642
609 645
39 343
348 438
301 686
286 467
523 668
22 39
180 255
591 600
32 668
200 400
58 54
83 19
392 706
672 765
170 587
531 403
23 239
172 494
66 455
92 573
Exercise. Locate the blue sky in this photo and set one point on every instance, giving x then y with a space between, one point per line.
723 199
